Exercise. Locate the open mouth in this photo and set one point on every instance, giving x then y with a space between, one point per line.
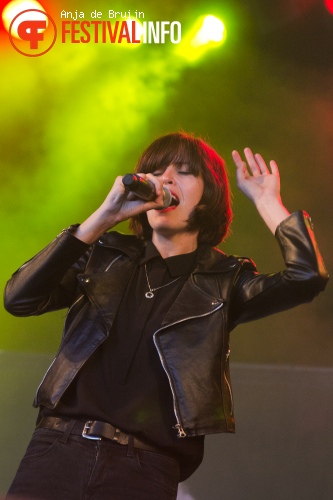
174 200
170 200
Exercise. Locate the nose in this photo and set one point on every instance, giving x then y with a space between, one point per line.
168 175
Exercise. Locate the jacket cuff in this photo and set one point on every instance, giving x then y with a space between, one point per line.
298 245
298 218
68 234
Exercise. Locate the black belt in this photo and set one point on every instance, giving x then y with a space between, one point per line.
96 430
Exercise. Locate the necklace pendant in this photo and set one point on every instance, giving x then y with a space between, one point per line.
149 295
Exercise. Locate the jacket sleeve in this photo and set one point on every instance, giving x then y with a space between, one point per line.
257 295
47 282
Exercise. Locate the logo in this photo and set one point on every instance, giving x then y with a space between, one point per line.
34 34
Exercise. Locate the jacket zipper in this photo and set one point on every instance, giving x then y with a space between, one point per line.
229 388
179 425
111 263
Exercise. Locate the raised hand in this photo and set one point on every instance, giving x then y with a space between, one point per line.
261 185
255 179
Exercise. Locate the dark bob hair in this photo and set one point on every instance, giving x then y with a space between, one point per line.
212 216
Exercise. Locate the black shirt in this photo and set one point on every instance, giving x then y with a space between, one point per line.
124 382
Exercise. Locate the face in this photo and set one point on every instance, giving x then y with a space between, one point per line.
188 190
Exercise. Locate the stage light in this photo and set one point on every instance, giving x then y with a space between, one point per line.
207 32
329 5
212 30
16 7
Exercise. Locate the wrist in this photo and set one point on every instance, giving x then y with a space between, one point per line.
96 225
267 203
273 212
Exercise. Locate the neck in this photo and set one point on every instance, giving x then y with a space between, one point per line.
175 245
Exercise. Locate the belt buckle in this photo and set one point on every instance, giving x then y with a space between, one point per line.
86 428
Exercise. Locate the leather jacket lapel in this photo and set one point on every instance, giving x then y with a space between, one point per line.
105 290
192 302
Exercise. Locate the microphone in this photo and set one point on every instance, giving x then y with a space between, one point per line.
145 190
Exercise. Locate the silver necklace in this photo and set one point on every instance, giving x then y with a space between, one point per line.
150 294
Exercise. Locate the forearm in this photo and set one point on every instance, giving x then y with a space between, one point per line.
273 212
96 225
44 282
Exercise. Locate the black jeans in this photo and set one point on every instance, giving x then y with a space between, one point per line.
56 467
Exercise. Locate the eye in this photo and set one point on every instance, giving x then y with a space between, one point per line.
184 170
157 173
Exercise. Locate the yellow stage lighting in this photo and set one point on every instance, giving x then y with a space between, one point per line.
212 30
207 32
16 7
136 33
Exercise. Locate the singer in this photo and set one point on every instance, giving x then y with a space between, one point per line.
142 373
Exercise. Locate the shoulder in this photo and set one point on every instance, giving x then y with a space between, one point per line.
115 238
123 243
214 260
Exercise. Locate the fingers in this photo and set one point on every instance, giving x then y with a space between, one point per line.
156 193
237 159
241 169
156 181
274 168
255 164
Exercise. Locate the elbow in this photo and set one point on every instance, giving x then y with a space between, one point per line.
322 280
14 306
9 301
305 284
320 276
315 283
18 305
20 308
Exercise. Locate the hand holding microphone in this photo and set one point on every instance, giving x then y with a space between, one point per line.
145 190
117 207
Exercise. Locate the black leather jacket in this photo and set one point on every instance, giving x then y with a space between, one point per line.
193 340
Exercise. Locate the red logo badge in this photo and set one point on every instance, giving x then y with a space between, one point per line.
34 37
